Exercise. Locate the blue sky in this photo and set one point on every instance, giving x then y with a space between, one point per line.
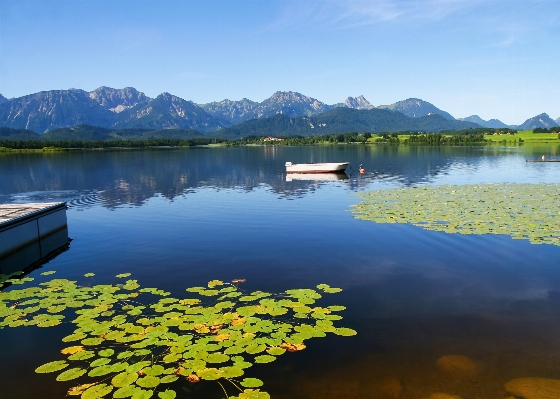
495 58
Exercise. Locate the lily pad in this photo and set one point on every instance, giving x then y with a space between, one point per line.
167 394
148 382
265 359
124 379
51 367
345 332
251 383
97 391
71 374
126 391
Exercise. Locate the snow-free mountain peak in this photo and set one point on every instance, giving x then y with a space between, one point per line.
117 100
415 108
541 120
358 103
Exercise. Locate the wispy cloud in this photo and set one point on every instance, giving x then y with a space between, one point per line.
342 14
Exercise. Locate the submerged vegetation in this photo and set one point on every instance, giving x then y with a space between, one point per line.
522 211
128 345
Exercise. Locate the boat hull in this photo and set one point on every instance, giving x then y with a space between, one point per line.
332 167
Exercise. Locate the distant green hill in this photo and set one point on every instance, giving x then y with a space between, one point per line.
339 120
96 133
17 134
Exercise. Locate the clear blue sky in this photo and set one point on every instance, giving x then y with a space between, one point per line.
495 58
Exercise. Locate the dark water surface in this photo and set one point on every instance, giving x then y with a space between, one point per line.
179 218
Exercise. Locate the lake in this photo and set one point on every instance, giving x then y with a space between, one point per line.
435 313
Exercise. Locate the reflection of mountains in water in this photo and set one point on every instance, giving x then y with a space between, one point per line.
114 178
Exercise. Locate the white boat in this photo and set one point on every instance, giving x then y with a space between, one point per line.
317 176
331 167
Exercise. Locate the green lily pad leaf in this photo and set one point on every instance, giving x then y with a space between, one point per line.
123 275
51 367
89 274
148 381
253 394
345 332
336 308
332 290
118 367
251 383
169 379
126 391
71 374
209 374
142 394
276 351
106 352
154 370
74 337
265 359
167 394
196 364
242 364
91 341
209 292
217 358
138 366
125 355
49 323
172 357
100 362
231 372
83 355
255 348
124 379
99 371
97 391
48 273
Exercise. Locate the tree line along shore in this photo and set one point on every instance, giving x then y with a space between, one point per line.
454 137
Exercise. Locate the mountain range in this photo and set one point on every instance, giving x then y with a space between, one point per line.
129 108
492 123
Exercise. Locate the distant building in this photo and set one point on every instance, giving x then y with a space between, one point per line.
272 139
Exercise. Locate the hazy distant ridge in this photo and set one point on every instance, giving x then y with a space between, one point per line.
492 123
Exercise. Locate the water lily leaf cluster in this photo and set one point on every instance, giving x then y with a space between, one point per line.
138 342
522 211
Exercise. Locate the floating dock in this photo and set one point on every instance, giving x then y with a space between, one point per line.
31 234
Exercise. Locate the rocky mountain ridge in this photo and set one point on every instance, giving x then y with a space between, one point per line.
119 108
117 100
542 120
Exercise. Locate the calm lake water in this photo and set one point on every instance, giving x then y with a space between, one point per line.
179 218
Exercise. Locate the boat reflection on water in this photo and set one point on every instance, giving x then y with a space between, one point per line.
317 176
